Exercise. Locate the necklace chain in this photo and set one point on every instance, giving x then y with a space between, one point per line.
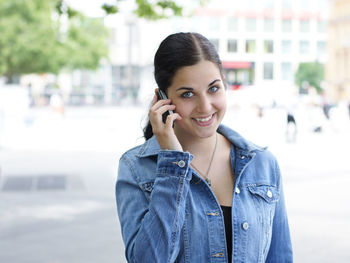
206 176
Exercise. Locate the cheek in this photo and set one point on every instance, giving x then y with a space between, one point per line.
183 109
221 103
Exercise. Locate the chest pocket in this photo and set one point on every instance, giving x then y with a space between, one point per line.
268 193
147 189
265 197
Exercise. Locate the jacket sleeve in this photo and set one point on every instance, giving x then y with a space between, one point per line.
151 226
281 247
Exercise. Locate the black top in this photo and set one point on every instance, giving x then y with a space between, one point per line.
228 230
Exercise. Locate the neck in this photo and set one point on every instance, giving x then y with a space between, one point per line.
197 146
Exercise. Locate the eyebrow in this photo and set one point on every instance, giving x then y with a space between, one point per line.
189 88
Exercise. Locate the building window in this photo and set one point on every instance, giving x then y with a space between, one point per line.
250 46
287 72
286 4
268 70
269 4
232 45
215 42
213 24
232 24
268 46
321 26
286 25
305 4
321 48
304 47
123 74
304 26
250 24
268 25
286 46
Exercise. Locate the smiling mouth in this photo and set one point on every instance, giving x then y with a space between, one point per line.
204 119
207 121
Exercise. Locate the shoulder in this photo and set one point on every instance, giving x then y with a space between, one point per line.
147 149
238 140
263 167
139 162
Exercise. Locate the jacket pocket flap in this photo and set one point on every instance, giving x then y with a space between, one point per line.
269 193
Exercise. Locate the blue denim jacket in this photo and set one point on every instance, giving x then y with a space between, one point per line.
168 213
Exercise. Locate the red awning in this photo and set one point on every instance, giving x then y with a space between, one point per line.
236 64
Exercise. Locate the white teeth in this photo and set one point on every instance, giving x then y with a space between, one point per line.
204 119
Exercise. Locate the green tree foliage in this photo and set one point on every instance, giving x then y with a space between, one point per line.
86 43
152 9
33 38
27 37
158 10
312 72
39 36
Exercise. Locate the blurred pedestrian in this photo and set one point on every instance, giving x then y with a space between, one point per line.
291 130
197 191
326 105
56 103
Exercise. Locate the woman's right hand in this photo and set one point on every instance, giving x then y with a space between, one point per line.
164 131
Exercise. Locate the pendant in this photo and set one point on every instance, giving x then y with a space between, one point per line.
208 181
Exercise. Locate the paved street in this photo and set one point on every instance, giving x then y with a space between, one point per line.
58 174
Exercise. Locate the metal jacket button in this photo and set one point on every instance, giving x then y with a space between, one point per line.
237 190
269 194
218 255
181 163
245 225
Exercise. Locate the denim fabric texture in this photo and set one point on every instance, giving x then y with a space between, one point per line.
168 213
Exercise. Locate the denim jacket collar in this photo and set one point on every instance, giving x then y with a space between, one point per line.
151 147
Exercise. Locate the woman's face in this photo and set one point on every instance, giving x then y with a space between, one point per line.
199 95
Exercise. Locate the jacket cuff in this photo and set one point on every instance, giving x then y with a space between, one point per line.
174 163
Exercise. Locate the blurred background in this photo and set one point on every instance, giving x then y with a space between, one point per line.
76 80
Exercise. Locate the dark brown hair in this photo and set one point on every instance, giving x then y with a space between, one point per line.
177 51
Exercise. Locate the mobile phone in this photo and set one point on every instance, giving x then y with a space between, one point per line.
162 96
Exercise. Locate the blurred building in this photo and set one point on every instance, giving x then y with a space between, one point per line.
261 43
338 66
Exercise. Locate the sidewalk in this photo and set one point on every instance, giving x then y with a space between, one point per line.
78 154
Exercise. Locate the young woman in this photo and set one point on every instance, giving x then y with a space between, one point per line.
196 191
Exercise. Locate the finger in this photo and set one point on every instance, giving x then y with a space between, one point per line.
157 116
160 109
158 104
171 119
165 108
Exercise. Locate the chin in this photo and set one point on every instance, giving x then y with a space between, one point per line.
207 134
204 132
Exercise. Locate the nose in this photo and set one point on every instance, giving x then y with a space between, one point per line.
204 104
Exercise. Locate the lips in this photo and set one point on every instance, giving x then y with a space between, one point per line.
205 121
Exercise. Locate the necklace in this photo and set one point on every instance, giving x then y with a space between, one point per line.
206 177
